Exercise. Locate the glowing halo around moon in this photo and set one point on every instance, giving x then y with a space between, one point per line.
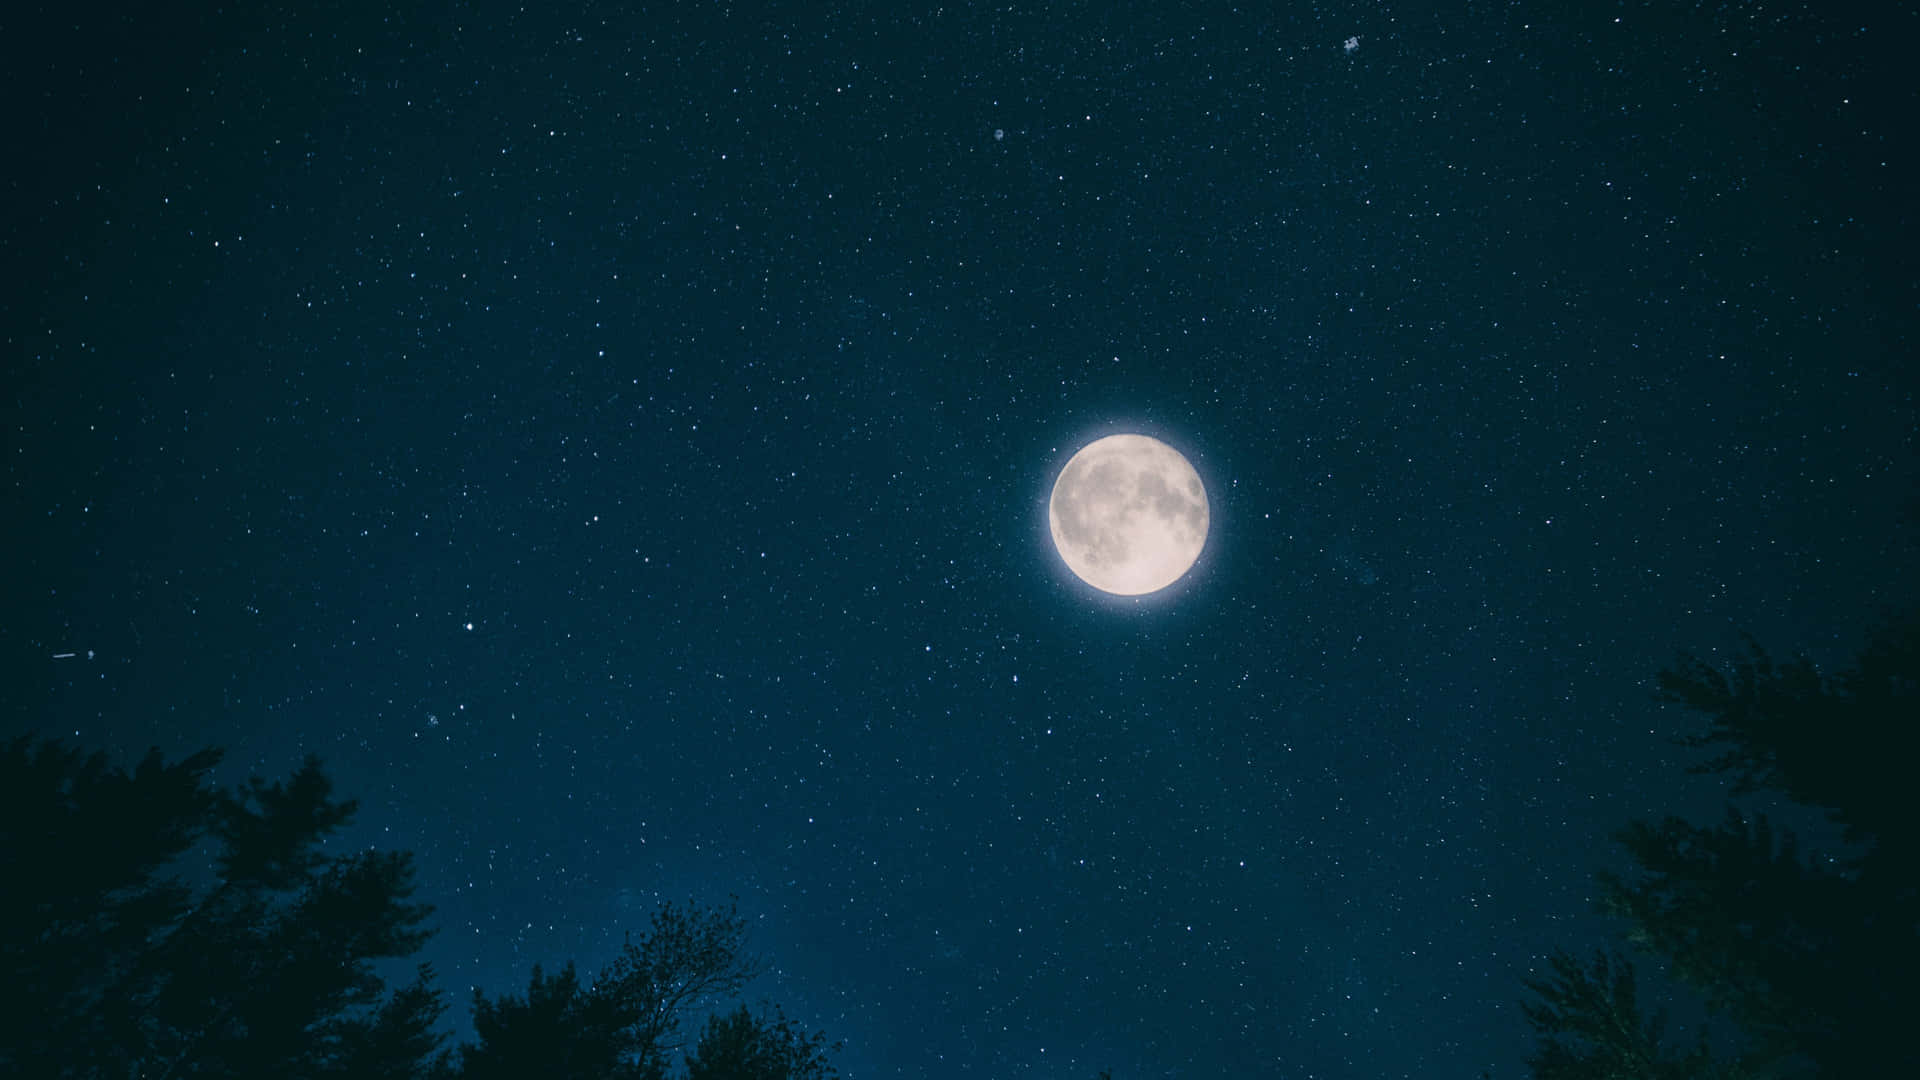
1128 515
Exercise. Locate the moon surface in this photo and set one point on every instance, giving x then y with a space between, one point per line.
1128 515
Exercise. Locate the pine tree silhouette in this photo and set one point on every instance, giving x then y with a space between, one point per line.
125 970
1808 955
120 968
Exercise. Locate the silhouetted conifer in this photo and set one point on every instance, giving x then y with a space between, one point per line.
1808 955
558 1029
126 971
117 968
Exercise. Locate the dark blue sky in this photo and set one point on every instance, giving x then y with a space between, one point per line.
617 442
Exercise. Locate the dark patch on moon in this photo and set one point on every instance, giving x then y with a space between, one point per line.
1103 501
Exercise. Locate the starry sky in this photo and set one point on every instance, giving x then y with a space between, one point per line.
616 439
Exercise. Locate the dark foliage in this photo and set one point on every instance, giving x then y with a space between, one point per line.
1807 955
85 891
118 968
125 970
1591 1027
627 1023
687 957
1826 741
559 1029
741 1046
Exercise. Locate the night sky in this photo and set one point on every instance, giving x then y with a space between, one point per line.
617 442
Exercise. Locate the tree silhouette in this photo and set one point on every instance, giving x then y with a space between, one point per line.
85 895
1591 1027
625 1025
559 1029
1808 955
126 970
117 967
741 1046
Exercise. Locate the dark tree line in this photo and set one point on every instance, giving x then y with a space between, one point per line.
118 965
1807 960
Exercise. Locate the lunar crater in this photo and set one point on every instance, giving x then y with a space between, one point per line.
1128 515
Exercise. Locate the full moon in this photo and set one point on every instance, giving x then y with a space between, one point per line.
1128 514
